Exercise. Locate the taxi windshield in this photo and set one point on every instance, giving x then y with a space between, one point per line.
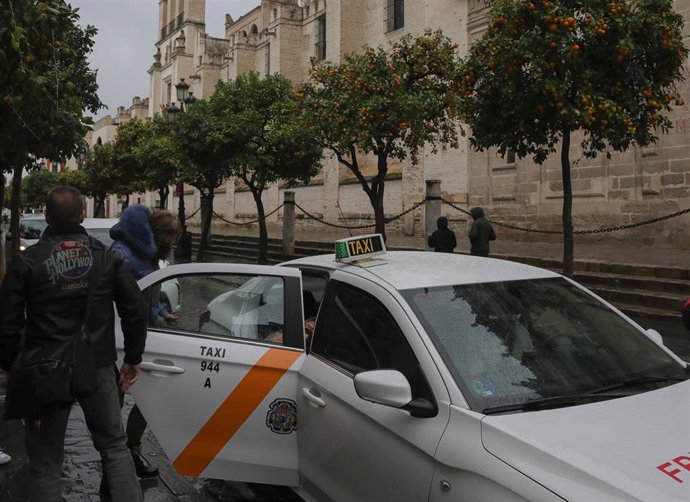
516 342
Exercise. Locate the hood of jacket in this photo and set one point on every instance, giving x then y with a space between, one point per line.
477 212
134 230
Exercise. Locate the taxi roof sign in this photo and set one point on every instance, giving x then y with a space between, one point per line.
361 247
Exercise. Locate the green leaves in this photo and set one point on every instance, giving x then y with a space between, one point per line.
607 68
45 80
248 128
386 103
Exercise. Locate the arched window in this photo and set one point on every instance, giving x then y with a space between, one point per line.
253 34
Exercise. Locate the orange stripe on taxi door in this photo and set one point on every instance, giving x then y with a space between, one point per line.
234 411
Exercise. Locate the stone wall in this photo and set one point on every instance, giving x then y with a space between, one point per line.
627 187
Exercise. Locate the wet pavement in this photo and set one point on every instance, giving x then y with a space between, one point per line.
82 469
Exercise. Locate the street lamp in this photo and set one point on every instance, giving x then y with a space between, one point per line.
182 88
184 97
173 111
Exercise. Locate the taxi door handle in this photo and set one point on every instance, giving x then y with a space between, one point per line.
313 396
164 368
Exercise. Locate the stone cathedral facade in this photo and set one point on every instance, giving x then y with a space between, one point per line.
283 35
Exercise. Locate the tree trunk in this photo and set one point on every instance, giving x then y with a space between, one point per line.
99 209
568 242
163 194
263 231
16 196
379 215
377 189
206 215
180 208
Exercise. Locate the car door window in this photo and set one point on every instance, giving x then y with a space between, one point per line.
226 305
359 334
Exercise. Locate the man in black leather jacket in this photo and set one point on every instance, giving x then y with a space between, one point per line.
46 291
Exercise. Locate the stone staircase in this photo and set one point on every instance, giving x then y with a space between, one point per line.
645 291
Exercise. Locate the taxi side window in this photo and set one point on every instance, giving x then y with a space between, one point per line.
359 334
227 305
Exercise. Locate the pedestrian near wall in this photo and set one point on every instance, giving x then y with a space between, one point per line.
481 233
47 289
143 237
442 239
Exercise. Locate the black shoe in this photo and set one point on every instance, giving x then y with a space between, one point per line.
143 467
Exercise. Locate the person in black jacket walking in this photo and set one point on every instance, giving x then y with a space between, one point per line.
481 233
46 290
443 239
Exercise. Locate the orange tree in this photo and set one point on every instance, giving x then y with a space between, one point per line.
261 113
95 176
385 103
46 86
157 157
545 69
145 157
127 171
202 141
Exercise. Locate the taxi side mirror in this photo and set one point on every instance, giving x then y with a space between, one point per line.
387 387
391 388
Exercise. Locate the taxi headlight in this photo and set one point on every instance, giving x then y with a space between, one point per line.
22 247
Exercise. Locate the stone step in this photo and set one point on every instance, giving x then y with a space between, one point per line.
641 298
637 290
307 248
671 286
649 312
596 266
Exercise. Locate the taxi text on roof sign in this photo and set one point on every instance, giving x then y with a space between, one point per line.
360 247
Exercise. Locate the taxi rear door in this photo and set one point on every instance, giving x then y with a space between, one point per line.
219 386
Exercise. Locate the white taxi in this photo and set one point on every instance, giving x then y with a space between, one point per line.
428 377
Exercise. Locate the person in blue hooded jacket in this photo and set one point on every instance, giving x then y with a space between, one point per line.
143 238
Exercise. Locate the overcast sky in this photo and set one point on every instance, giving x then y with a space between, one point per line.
125 43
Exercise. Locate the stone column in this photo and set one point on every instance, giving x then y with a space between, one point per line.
289 223
432 208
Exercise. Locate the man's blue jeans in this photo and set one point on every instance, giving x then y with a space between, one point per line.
45 444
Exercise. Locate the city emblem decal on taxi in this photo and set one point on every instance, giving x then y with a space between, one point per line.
282 416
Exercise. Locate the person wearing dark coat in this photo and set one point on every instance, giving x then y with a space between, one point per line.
443 239
46 291
480 233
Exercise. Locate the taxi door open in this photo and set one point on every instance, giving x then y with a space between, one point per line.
218 385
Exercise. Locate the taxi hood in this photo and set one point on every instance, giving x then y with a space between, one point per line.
631 448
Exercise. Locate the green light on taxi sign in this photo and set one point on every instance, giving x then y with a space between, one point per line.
341 250
359 248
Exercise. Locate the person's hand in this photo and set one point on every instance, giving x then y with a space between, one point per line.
309 329
171 319
275 337
129 374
